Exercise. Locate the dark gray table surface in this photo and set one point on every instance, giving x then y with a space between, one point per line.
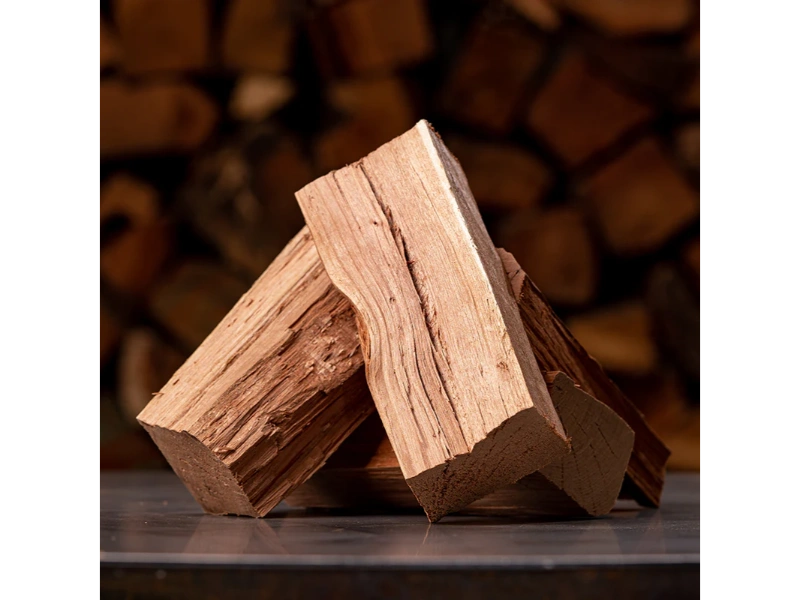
156 542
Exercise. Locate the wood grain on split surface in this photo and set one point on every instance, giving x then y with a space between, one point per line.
269 395
447 360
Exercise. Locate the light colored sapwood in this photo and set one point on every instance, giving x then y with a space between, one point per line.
447 360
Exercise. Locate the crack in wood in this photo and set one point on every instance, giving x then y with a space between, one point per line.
428 312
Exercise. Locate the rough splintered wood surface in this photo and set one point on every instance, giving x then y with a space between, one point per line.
364 472
447 360
269 395
558 350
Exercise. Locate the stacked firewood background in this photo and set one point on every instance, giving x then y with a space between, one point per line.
576 122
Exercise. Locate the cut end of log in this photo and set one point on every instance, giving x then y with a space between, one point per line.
592 474
207 477
518 447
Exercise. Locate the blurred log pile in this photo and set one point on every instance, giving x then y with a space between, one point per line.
576 121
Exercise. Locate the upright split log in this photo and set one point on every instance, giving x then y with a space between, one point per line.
450 370
557 349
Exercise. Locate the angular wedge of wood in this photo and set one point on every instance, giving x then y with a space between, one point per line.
447 360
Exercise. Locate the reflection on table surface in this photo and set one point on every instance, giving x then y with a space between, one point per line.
150 517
